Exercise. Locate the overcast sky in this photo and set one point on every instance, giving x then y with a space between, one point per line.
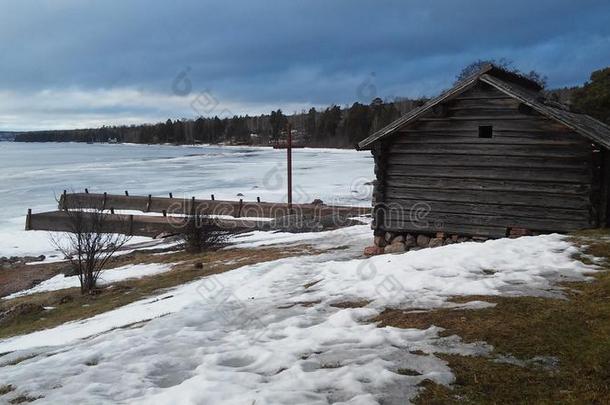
78 63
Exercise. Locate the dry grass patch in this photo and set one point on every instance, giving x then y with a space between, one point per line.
350 304
575 332
70 305
23 399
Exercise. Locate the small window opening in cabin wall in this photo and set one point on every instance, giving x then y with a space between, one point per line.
486 131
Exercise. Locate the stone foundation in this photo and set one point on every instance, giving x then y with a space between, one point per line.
397 242
392 242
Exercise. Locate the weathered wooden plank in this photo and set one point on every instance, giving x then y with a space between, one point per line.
498 124
499 138
481 89
566 151
483 117
518 211
459 229
455 113
136 225
524 174
399 159
447 183
205 207
490 197
477 102
510 221
465 131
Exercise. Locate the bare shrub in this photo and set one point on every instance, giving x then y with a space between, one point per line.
91 239
202 234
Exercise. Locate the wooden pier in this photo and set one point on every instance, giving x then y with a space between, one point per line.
134 225
187 206
172 213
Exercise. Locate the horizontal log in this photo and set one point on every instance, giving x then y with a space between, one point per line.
205 207
458 229
486 111
523 174
490 197
483 117
462 130
517 211
492 149
477 102
442 218
499 138
482 90
135 225
472 123
447 183
486 161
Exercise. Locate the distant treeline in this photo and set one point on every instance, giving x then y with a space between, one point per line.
331 127
7 136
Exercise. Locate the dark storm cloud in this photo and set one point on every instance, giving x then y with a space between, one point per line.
288 52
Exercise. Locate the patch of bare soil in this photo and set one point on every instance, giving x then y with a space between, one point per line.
69 304
20 276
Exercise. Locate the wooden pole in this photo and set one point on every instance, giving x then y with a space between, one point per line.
28 220
171 195
212 197
241 203
258 199
126 193
86 191
289 166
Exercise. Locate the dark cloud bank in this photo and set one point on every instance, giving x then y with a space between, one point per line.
78 63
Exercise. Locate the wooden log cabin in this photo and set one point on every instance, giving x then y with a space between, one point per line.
490 158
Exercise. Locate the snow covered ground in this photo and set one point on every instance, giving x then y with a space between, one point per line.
268 333
60 282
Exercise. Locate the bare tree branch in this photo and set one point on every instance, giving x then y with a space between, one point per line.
91 242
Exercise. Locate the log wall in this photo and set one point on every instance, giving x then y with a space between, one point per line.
438 174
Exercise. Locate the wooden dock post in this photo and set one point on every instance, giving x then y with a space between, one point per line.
131 225
149 203
193 206
241 203
104 201
28 220
289 166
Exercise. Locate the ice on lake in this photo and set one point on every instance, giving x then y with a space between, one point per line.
33 174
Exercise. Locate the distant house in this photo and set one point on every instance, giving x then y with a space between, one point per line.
490 158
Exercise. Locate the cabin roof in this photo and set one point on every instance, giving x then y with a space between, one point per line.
516 86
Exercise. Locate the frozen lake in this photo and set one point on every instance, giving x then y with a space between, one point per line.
33 174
